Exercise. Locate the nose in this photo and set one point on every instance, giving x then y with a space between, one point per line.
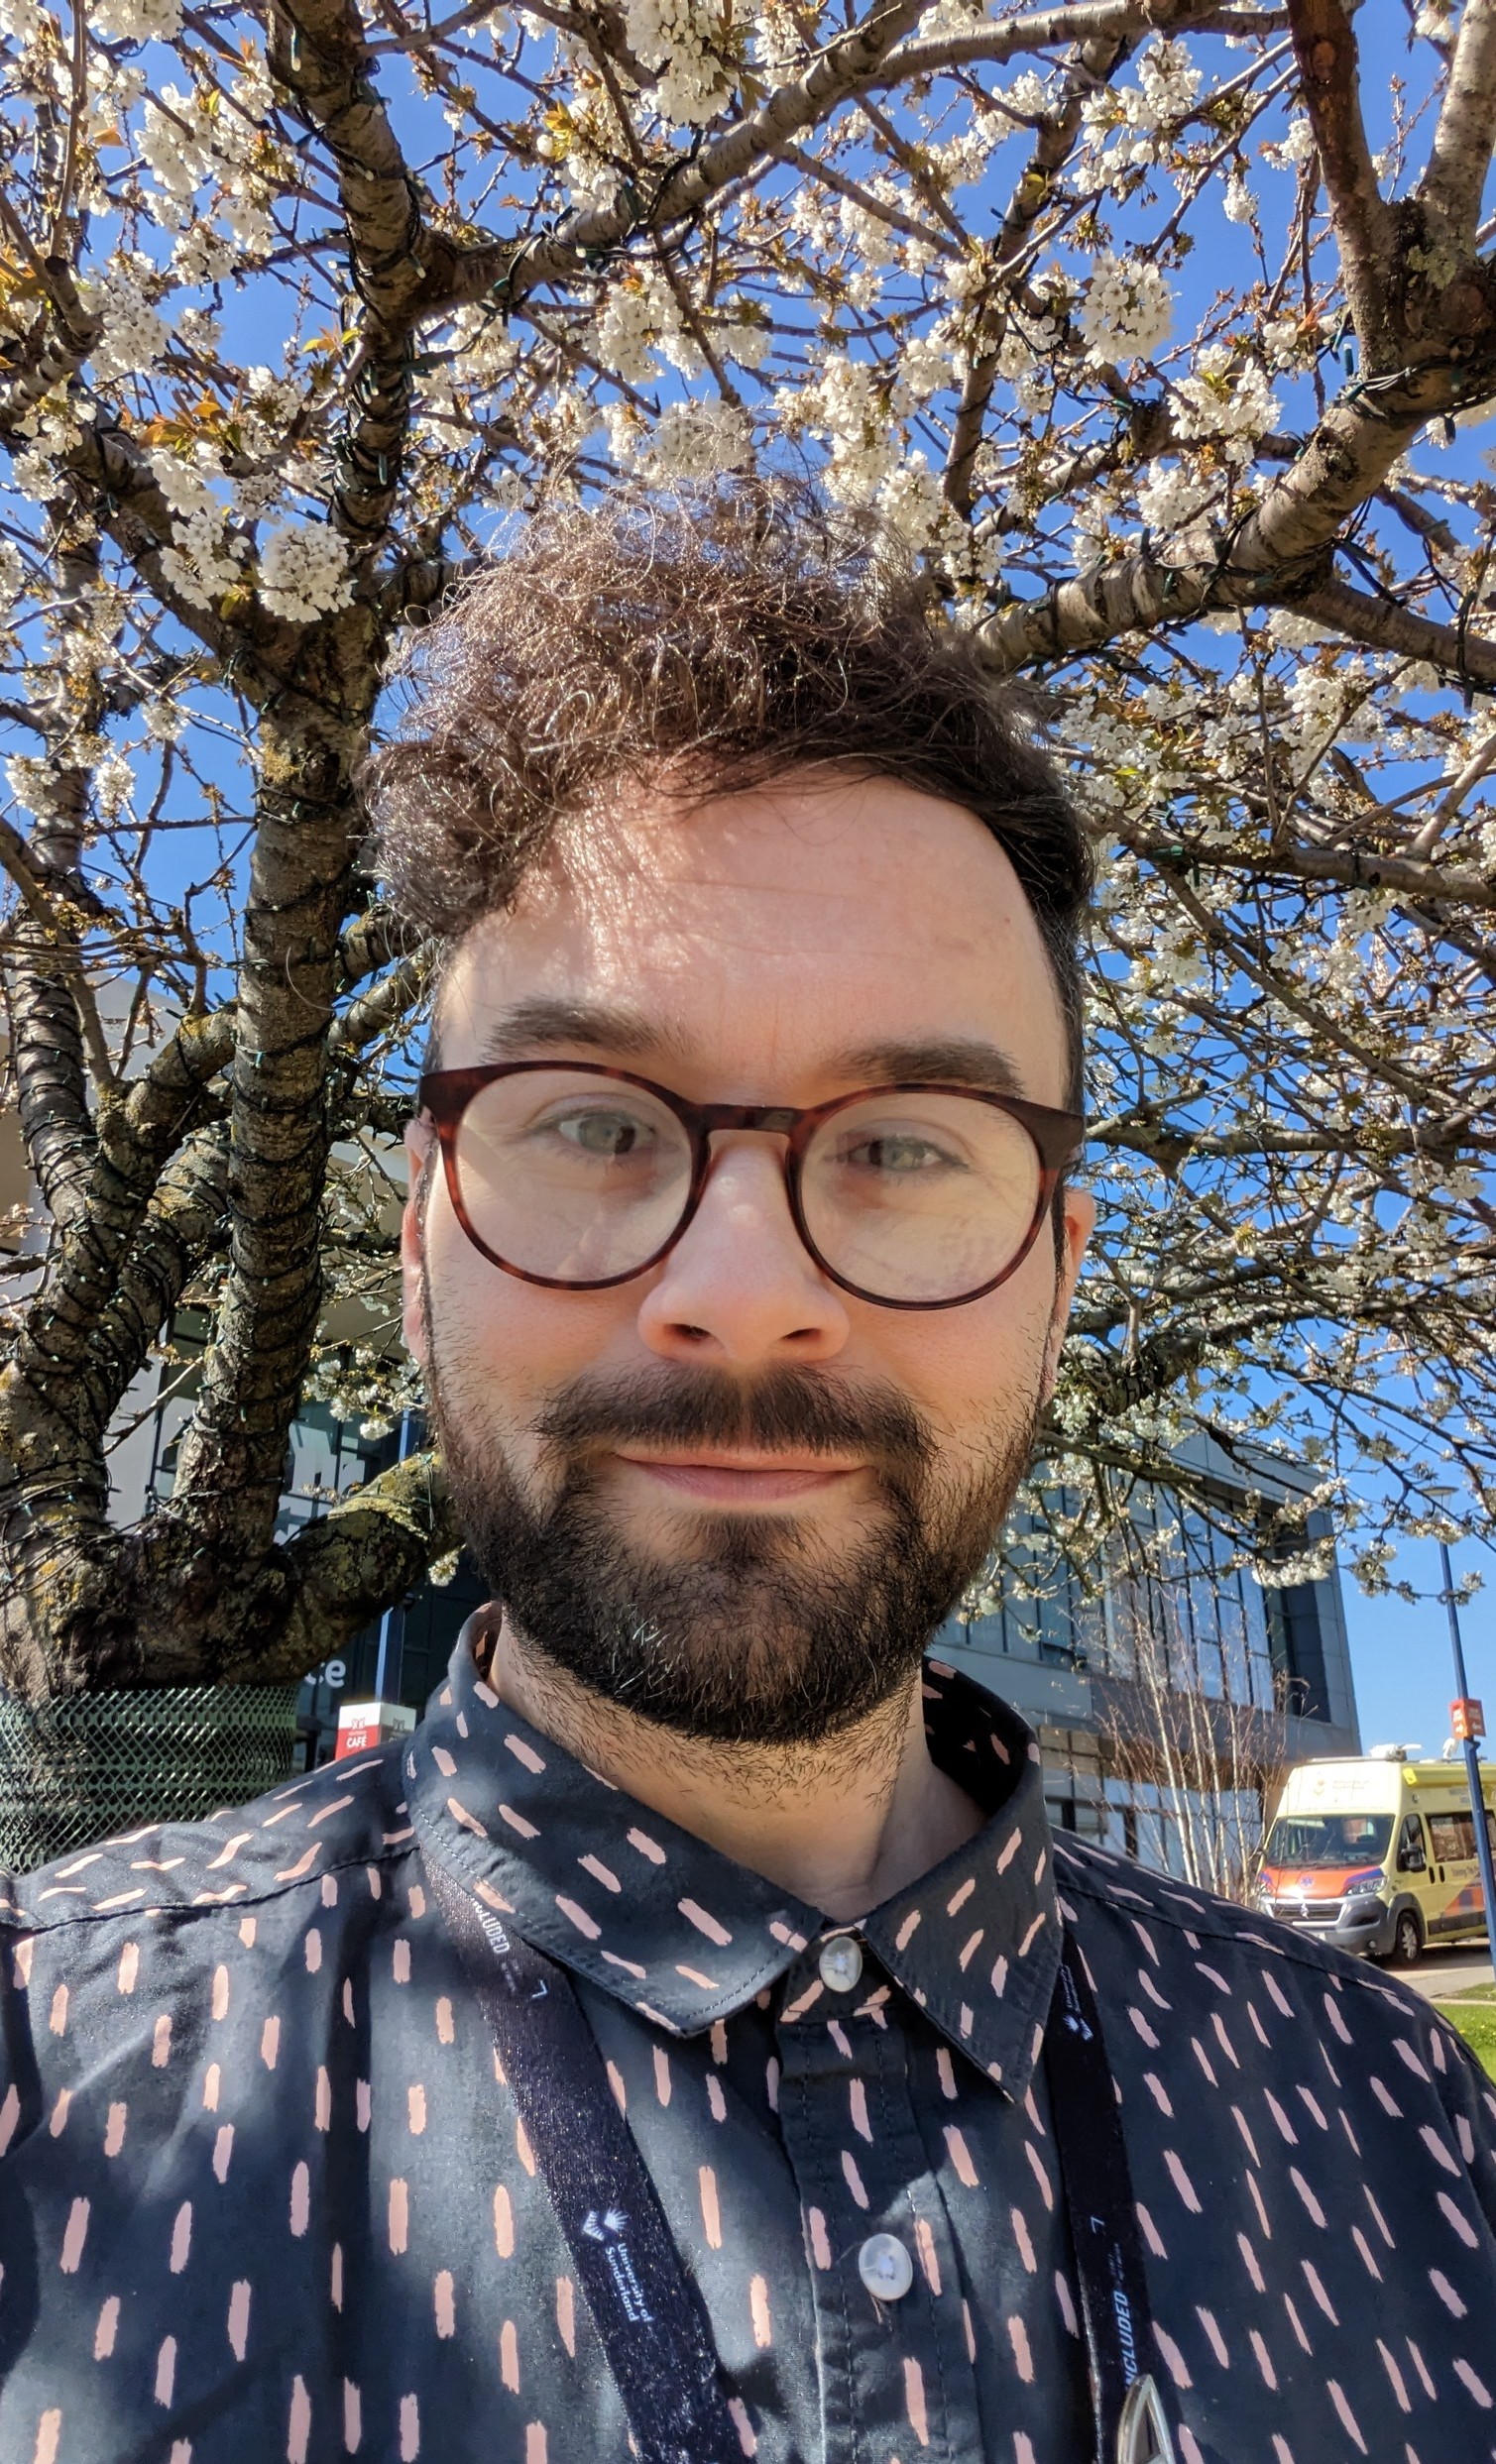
739 1285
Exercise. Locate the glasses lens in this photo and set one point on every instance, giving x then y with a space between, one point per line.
571 1176
922 1196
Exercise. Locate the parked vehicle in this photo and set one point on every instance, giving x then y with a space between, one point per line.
1377 1855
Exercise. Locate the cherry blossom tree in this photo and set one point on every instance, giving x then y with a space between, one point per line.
1153 327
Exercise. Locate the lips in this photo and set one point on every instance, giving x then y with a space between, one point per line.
731 1479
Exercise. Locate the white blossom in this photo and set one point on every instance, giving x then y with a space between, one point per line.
851 340
1298 144
1126 311
1225 399
203 560
912 501
34 475
624 332
950 17
179 159
166 722
696 440
199 330
137 21
185 480
33 780
12 577
925 367
303 572
743 337
133 335
682 39
113 779
1316 696
1169 495
249 225
1294 631
1128 119
846 407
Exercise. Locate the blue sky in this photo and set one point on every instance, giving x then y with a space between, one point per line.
1401 1655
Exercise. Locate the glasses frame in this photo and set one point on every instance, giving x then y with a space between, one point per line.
445 1095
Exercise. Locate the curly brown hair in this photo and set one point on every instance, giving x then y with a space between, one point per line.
713 639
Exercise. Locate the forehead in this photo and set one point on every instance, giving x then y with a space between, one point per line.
761 930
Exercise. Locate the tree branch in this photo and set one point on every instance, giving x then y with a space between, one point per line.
1399 875
1384 625
385 1006
372 941
1044 30
512 270
317 50
1412 1089
136 1137
1093 64
1325 45
367 1549
1461 155
230 1463
1274 555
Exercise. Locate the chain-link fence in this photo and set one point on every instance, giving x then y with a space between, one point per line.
95 1765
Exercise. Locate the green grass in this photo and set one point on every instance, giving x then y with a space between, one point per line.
1476 2020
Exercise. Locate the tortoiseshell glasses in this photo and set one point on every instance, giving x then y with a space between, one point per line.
579 1176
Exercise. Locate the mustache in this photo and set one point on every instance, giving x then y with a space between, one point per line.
783 1409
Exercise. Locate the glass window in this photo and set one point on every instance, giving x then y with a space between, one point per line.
1233 1640
1259 1640
1452 1837
1409 1848
1316 1840
1113 1831
1263 1691
1210 1669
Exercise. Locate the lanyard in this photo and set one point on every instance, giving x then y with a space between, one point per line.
1131 2427
647 2311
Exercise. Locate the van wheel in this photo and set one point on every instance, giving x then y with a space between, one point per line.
1406 1938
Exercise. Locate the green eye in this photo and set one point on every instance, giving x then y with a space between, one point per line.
610 1134
898 1152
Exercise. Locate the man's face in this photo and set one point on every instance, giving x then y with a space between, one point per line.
728 1494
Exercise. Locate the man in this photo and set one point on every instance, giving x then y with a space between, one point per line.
738 1256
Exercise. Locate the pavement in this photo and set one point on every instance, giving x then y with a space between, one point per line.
1441 1975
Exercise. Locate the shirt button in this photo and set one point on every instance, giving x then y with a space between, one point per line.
841 1963
885 2267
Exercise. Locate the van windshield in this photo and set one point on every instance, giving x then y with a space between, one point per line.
1311 1840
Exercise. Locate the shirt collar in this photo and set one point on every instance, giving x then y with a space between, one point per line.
653 1916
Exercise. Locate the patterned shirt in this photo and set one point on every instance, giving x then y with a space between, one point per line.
263 2197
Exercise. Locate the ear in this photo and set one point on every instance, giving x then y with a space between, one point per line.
1078 1222
420 1146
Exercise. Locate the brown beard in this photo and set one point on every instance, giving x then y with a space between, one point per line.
750 1639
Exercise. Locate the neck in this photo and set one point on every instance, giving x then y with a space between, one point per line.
843 1823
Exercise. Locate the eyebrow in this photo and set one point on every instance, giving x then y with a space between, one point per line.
932 1060
546 1022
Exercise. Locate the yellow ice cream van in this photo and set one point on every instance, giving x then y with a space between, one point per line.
1377 1855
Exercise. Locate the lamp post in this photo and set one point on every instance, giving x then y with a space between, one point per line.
1472 1757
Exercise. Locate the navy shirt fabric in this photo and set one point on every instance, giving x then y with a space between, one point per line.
264 2197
